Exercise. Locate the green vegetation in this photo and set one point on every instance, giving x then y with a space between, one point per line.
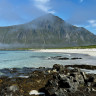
80 47
27 49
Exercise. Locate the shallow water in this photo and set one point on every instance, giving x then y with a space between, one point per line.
20 59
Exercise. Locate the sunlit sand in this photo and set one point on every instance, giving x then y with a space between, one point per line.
91 52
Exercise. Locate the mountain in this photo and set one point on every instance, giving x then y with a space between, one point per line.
47 31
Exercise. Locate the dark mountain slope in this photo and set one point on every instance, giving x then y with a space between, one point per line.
47 31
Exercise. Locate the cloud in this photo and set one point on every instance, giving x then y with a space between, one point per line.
81 1
42 1
44 5
17 12
92 23
81 14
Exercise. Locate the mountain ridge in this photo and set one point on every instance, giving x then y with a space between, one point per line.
47 31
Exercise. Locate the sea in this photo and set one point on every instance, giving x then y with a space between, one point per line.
20 59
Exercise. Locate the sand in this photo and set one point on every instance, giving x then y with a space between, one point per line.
91 52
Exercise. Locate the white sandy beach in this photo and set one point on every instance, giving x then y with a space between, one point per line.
91 52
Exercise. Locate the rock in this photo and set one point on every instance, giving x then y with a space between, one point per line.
94 84
53 83
55 71
11 91
58 67
62 77
65 84
95 79
63 58
88 89
60 92
59 58
76 70
49 71
84 75
78 78
51 91
75 58
13 88
88 84
1 81
56 81
94 90
91 79
61 81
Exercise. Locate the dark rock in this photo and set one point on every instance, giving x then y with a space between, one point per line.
78 76
94 84
84 75
75 58
58 67
60 92
76 70
50 91
53 83
11 91
88 89
63 58
59 58
90 67
64 84
91 79
88 84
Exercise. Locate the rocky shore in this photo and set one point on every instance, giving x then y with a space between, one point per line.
57 81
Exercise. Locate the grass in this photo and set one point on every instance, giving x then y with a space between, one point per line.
77 47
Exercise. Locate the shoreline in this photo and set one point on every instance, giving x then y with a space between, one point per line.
91 52
88 51
57 80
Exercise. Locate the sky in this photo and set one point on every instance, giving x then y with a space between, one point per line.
81 13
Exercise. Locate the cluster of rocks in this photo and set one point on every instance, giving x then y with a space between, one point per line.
57 81
90 67
63 84
12 90
63 58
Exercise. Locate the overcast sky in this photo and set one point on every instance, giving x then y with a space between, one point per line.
77 12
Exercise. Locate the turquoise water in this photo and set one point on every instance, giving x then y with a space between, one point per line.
19 59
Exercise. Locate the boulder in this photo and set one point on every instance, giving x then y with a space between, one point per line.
91 79
60 92
58 67
84 75
11 91
13 88
75 58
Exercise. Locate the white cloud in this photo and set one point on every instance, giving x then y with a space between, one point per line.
81 1
42 1
44 5
92 23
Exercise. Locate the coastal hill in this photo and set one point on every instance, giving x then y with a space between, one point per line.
47 31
